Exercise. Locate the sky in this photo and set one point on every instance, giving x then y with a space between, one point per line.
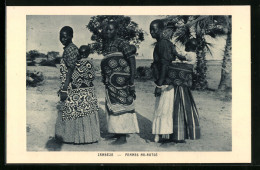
42 34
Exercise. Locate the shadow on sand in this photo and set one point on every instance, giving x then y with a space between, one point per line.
53 144
145 127
103 123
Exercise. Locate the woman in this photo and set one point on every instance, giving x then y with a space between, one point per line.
185 116
118 72
77 120
172 108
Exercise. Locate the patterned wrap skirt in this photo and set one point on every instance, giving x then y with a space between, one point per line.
121 117
78 120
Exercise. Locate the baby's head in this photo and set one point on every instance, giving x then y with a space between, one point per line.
84 51
191 45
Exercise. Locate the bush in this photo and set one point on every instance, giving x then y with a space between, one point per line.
32 54
33 78
56 60
50 63
144 72
32 63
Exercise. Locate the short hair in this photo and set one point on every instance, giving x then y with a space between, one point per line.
171 25
68 30
86 47
159 22
114 23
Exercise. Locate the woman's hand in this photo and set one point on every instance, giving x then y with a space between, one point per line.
181 57
132 91
58 93
63 96
104 80
157 92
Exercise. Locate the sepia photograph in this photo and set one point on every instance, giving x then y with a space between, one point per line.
133 87
146 83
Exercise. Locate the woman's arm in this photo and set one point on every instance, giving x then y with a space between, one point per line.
68 79
159 82
70 58
132 63
162 75
63 92
165 57
129 52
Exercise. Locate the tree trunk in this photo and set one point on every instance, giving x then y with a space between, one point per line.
226 80
199 79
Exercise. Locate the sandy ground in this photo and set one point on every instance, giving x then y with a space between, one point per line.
214 111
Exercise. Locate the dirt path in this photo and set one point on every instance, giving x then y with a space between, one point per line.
215 120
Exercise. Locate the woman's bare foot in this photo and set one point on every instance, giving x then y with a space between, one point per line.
156 138
120 140
179 141
112 137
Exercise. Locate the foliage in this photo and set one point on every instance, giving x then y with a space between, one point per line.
32 63
52 54
198 27
50 63
57 60
32 54
127 30
34 79
144 72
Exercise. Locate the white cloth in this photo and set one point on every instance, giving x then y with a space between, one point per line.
163 112
191 57
125 123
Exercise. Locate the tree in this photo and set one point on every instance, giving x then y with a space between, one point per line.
32 54
197 28
51 55
226 72
127 30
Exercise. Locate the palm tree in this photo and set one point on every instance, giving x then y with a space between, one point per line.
226 72
197 28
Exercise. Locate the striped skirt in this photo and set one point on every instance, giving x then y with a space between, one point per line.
185 115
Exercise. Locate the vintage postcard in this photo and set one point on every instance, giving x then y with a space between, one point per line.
121 84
